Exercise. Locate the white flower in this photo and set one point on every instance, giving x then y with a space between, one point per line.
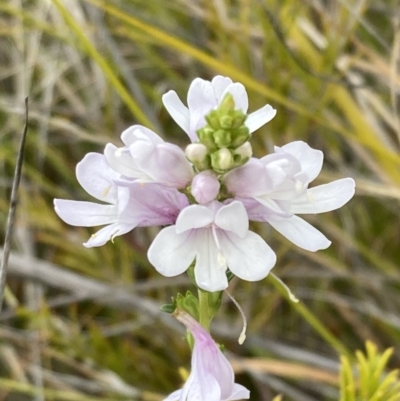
212 377
217 236
146 157
203 96
275 188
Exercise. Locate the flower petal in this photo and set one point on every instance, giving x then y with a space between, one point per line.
171 253
164 163
178 111
85 214
255 178
201 100
194 216
233 217
325 198
121 161
301 233
96 177
152 204
210 274
219 85
139 133
239 393
310 159
239 95
259 118
201 384
249 258
107 233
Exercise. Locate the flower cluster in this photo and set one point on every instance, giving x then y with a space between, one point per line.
206 195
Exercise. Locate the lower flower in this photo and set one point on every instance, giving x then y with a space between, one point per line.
212 377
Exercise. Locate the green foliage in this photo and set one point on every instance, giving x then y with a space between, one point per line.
80 324
370 382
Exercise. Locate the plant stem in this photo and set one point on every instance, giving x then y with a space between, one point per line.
313 321
204 310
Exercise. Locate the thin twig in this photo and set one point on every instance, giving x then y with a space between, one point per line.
13 207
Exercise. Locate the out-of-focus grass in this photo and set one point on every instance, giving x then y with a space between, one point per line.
91 69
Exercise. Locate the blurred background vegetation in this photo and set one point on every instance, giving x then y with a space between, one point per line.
84 324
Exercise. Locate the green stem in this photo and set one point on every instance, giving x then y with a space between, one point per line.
312 320
204 310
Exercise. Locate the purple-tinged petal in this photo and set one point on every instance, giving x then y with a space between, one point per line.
239 95
212 376
249 258
210 269
205 187
107 233
201 385
96 177
192 217
85 214
171 253
139 133
260 117
178 111
219 85
325 198
233 218
153 204
310 159
164 163
254 179
301 233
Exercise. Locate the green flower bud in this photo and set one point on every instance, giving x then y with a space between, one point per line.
222 160
226 122
226 105
238 118
206 136
239 136
212 119
222 138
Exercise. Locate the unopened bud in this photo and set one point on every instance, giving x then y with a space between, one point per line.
212 119
206 136
242 154
222 138
226 122
222 160
205 186
240 136
197 153
227 104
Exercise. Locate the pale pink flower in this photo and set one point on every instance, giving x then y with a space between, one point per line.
218 237
147 158
212 377
275 188
127 207
203 96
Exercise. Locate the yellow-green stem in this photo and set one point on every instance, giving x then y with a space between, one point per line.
204 310
312 320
